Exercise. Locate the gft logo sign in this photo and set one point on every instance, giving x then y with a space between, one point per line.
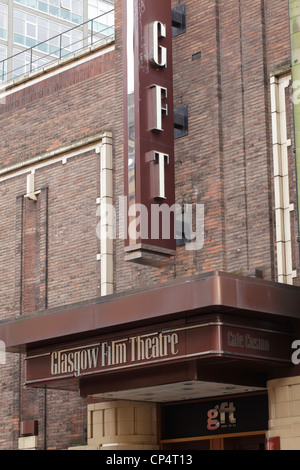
221 416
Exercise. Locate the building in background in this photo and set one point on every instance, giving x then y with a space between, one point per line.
26 24
149 256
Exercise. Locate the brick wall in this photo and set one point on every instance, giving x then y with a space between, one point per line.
75 104
225 163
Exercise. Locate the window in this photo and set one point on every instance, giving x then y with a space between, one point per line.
49 36
98 7
25 28
3 55
65 4
3 52
69 10
105 23
30 30
22 63
3 21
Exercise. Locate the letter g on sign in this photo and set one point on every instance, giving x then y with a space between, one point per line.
158 53
212 423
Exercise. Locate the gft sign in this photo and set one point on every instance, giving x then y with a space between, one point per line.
148 120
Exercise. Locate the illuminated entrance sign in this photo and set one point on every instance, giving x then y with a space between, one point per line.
149 126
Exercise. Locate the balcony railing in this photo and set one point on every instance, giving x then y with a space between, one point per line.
95 31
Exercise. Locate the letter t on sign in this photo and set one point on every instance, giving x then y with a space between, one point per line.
162 159
158 178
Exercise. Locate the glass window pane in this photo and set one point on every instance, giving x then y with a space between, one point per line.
53 10
65 4
31 30
65 14
3 17
77 7
3 22
31 3
43 34
43 7
30 42
19 39
3 65
3 52
19 14
31 18
19 26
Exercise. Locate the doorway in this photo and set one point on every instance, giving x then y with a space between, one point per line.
230 442
245 443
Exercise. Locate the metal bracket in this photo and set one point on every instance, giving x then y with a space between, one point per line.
180 122
178 20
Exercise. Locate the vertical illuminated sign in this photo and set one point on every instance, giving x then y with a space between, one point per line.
148 129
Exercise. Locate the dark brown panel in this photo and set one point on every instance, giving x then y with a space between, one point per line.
139 114
183 299
172 343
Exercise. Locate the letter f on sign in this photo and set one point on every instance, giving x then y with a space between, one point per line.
158 94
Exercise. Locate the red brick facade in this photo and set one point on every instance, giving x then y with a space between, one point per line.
48 248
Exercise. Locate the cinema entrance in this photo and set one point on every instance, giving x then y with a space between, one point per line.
236 422
187 365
